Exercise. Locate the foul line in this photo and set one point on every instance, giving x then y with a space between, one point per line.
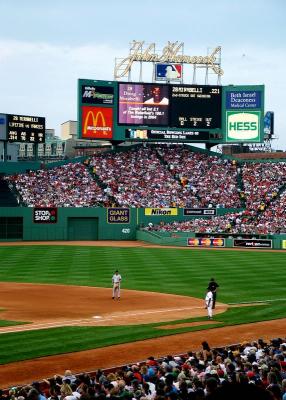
257 301
98 319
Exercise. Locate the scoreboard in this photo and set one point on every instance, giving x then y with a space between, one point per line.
25 128
196 107
120 111
22 128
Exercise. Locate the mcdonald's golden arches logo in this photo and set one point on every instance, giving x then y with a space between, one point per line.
97 122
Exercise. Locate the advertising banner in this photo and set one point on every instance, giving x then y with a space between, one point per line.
269 124
243 126
97 122
206 242
161 211
243 99
117 215
45 215
243 113
92 94
283 244
253 243
200 211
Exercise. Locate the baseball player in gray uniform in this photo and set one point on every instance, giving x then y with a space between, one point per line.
116 280
209 303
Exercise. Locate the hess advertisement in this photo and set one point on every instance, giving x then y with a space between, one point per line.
97 122
146 104
244 110
243 126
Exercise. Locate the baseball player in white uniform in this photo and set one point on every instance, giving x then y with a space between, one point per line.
209 303
116 279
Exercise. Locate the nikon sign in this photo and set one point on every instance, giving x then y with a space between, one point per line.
243 126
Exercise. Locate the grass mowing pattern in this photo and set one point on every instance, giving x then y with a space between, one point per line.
3 323
243 276
32 344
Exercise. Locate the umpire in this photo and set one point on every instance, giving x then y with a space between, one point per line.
213 286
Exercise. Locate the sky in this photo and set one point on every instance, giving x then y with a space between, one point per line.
46 46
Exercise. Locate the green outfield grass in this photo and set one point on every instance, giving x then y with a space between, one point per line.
244 276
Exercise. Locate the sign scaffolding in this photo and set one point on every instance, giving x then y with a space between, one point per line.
167 64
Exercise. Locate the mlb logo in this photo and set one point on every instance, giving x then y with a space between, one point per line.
171 72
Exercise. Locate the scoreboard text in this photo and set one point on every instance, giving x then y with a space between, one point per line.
25 128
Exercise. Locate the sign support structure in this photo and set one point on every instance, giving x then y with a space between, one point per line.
171 55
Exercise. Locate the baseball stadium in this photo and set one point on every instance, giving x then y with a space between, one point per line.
169 216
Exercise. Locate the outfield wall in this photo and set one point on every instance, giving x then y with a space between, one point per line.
95 223
62 224
191 239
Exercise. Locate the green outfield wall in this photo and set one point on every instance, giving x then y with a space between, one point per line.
90 224
96 223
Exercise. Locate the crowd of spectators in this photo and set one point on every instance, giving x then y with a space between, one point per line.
166 176
212 179
244 222
249 371
273 218
137 178
262 182
265 206
69 185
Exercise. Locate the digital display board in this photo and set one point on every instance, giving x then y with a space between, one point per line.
197 107
25 128
174 112
167 134
143 104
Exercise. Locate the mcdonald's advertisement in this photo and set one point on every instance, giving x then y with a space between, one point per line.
97 122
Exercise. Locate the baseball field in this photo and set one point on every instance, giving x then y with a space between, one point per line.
56 300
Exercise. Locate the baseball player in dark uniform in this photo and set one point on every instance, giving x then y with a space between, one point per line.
213 286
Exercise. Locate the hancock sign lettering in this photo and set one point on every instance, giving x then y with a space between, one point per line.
171 53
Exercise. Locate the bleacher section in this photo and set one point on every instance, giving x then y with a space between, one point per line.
165 176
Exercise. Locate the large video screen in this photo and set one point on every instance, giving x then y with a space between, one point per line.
143 104
197 107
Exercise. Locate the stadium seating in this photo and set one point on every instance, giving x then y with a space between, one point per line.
166 176
249 370
67 186
212 179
